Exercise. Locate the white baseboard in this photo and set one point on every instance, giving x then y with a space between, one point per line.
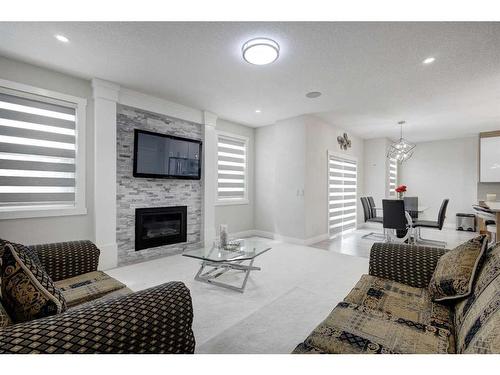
279 237
312 240
243 234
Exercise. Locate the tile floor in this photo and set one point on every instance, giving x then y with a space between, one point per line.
354 244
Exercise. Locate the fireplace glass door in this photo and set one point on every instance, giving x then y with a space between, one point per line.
159 226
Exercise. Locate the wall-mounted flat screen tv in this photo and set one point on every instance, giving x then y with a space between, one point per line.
165 156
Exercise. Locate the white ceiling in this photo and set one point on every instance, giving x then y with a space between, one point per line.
371 74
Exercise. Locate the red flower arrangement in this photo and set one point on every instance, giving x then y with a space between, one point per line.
401 189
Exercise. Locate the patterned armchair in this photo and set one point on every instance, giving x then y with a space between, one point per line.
156 320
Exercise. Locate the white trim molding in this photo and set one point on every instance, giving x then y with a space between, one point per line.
157 105
105 96
209 167
80 205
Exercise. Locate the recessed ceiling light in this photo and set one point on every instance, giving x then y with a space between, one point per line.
258 111
313 94
61 38
260 51
429 60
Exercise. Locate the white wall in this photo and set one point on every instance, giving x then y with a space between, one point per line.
53 229
239 217
280 178
443 169
291 177
264 178
376 176
321 137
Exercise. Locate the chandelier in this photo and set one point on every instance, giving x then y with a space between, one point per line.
401 150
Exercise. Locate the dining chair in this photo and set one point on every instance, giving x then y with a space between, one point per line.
411 205
373 208
438 224
369 217
397 222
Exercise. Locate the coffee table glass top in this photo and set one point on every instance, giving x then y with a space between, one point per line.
249 249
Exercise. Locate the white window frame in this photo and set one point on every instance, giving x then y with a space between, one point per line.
391 193
350 158
79 208
228 201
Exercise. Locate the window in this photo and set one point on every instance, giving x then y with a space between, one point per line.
342 183
42 161
232 154
393 176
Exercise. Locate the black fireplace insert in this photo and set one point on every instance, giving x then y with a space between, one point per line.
160 226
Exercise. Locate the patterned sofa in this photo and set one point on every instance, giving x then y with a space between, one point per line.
390 310
103 315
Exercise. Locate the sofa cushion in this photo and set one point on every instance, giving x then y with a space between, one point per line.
352 329
477 318
4 317
87 287
107 297
455 271
27 290
402 301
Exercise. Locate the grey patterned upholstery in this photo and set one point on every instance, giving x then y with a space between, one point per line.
68 259
407 264
156 320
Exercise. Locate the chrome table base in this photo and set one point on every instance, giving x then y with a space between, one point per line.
217 269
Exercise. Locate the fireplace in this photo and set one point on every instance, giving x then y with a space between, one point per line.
160 226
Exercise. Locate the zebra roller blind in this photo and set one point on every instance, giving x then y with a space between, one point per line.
231 168
342 185
37 150
393 176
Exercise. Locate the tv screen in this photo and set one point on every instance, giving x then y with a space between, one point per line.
164 156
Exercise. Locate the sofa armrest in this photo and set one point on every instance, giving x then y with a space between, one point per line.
63 260
156 320
408 264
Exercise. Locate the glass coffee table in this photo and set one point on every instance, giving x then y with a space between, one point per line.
216 261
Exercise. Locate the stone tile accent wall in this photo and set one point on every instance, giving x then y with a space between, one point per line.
135 192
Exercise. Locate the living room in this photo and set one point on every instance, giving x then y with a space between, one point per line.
221 187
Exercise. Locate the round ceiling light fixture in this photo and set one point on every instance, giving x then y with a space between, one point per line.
313 94
260 51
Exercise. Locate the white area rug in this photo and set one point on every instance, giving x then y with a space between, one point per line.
295 290
275 328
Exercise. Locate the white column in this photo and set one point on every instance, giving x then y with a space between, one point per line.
209 176
105 98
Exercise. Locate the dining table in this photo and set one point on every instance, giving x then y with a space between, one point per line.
420 209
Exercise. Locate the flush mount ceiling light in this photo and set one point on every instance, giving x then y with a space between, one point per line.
258 111
401 150
313 94
429 60
61 38
260 51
